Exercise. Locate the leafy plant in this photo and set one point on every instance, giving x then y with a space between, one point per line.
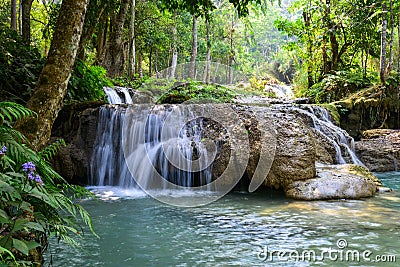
182 92
337 86
20 67
36 203
87 82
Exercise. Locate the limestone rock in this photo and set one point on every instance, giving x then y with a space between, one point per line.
335 182
379 150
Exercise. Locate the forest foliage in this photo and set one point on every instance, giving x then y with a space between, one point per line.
328 49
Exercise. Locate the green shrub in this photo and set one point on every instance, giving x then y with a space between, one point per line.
337 86
20 67
87 82
135 83
36 203
193 91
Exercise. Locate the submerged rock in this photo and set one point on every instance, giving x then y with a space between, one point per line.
345 181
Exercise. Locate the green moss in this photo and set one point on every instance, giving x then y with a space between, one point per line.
362 171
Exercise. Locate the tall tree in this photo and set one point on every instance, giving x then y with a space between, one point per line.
391 11
96 11
207 69
383 45
51 87
26 20
13 20
132 48
193 56
174 60
114 61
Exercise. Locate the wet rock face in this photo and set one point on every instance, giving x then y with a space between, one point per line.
279 139
374 107
73 161
335 182
379 149
295 153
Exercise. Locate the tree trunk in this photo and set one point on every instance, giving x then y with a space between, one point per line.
192 69
156 64
174 60
90 26
307 23
102 39
26 21
326 65
13 24
114 61
390 65
229 79
132 48
140 65
150 61
207 70
398 34
51 87
383 45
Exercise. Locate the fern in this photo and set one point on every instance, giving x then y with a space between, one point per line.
52 149
12 112
53 212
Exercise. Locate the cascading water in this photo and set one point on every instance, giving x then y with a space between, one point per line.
281 91
139 138
339 138
114 95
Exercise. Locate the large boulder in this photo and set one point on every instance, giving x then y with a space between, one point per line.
79 129
345 181
379 149
281 138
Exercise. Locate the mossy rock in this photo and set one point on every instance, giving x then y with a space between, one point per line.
362 171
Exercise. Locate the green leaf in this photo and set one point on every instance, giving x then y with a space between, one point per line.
32 244
35 226
19 225
4 214
21 246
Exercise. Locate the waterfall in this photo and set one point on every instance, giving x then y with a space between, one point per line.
136 142
339 138
125 92
114 95
281 91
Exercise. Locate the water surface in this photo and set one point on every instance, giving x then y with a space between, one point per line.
241 229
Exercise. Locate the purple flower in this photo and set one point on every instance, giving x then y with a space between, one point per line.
4 149
29 166
31 176
38 179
